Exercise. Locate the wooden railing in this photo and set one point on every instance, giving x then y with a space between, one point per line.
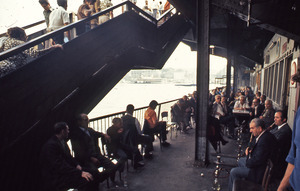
102 123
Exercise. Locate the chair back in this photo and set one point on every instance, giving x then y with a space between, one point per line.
104 147
267 175
164 114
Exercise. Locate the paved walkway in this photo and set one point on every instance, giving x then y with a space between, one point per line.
174 169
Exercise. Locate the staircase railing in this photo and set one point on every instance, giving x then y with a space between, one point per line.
102 123
47 36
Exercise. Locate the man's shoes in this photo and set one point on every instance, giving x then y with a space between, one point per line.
148 156
138 164
165 144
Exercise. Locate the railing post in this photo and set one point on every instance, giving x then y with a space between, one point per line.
158 115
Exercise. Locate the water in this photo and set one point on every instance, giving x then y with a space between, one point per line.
139 95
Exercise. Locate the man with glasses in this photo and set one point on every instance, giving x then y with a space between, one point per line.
86 147
256 109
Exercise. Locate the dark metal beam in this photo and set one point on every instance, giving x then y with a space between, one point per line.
203 18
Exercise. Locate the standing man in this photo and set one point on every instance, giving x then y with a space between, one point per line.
86 147
58 18
133 134
85 10
152 125
154 8
60 171
47 10
253 166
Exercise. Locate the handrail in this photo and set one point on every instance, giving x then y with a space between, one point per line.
102 123
123 112
10 52
28 26
165 13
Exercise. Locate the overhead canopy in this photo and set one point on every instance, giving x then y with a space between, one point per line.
232 29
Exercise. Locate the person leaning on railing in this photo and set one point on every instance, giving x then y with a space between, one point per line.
85 10
17 36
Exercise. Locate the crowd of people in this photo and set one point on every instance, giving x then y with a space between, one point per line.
90 166
270 134
56 18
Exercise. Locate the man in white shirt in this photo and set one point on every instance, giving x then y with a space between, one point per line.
242 104
58 18
154 7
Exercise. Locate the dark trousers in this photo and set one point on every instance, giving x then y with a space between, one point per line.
160 128
147 141
66 182
229 122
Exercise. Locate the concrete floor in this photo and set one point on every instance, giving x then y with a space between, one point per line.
174 169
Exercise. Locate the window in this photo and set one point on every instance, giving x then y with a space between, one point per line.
275 81
280 83
271 79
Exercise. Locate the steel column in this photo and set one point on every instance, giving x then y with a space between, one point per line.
203 26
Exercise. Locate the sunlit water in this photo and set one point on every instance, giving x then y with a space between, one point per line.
139 95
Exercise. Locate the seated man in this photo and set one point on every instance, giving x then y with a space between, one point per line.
253 166
218 113
242 105
256 109
228 118
187 111
132 135
152 125
268 114
178 114
262 100
86 148
283 134
60 171
118 148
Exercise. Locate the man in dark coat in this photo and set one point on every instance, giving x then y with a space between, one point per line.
283 134
132 134
253 166
85 145
60 170
268 114
256 109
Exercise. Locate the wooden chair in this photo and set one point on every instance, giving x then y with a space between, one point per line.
245 185
108 155
170 125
